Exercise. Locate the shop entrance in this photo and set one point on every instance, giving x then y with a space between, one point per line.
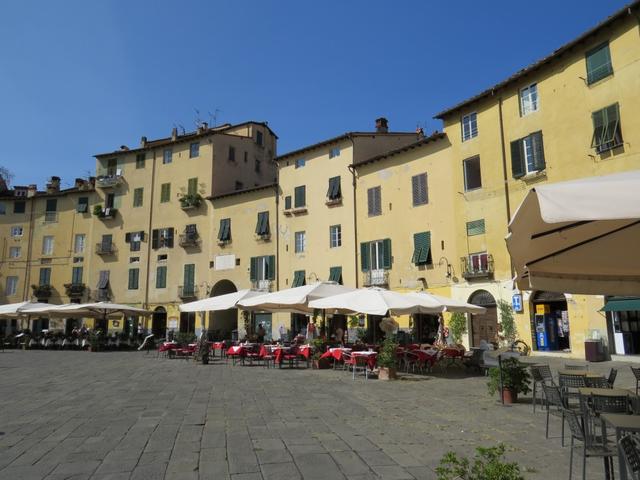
299 324
623 323
550 323
425 328
265 320
159 322
484 326
223 322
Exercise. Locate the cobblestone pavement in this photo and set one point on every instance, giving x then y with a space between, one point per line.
129 415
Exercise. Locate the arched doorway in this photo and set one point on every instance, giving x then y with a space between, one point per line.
484 326
159 322
223 322
550 321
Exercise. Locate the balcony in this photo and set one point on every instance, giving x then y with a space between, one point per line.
189 240
376 278
75 290
477 266
41 292
50 217
105 249
262 285
104 213
109 180
187 291
190 201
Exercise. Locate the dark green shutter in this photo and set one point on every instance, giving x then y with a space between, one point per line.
365 256
475 227
300 196
599 63
52 205
76 275
45 276
287 202
253 269
421 248
386 253
127 237
538 151
259 224
133 278
518 168
161 277
169 240
271 266
598 127
189 278
155 238
611 126
192 187
335 274
333 192
106 243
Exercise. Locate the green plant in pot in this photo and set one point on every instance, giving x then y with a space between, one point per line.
387 359
488 464
515 380
318 347
457 326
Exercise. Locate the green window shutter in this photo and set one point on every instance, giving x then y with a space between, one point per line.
386 253
192 186
165 193
599 63
107 240
611 126
334 192
161 277
335 274
189 277
365 256
518 168
265 225
52 205
253 269
155 238
300 196
83 205
299 278
419 189
133 278
137 197
76 275
45 276
259 224
421 248
475 227
538 151
598 119
287 202
271 267
169 239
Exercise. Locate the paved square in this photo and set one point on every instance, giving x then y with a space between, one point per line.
129 415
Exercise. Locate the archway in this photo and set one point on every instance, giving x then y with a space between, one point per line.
223 322
550 321
484 326
159 322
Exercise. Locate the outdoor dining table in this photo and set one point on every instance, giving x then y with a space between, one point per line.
237 351
582 373
166 346
621 423
335 353
606 392
370 356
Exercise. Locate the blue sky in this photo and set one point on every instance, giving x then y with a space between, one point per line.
84 77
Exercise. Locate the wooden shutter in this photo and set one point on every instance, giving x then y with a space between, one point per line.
189 277
599 63
45 276
192 186
155 238
386 253
300 196
538 151
419 189
271 267
161 277
365 256
334 188
378 200
370 202
76 275
106 242
335 274
518 168
475 227
287 202
598 119
259 224
127 237
265 223
253 269
131 286
611 125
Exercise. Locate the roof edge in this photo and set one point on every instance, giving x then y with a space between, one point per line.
241 192
420 143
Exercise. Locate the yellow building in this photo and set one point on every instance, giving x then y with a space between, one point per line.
570 115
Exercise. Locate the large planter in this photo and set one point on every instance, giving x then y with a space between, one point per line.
387 373
509 396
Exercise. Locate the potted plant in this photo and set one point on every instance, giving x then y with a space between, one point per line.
488 464
95 339
387 359
515 379
319 363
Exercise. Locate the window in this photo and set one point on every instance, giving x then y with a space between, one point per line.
335 236
375 255
161 276
469 126
334 192
422 249
134 240
162 237
140 159
78 259
15 252
47 245
12 286
300 196
50 214
103 285
419 189
335 275
300 242
134 259
259 138
79 242
76 275
134 277
194 150
475 227
165 192
106 244
472 176
262 268
19 206
83 205
162 258
262 227
137 196
16 231
607 133
232 154
374 201
287 202
224 233
334 152
527 155
479 262
167 156
529 99
192 186
189 286
299 278
599 63
300 162
45 276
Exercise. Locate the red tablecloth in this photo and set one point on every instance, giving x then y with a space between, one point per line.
166 346
372 357
335 353
426 356
452 352
217 345
238 351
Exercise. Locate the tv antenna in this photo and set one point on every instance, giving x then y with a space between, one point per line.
213 117
198 119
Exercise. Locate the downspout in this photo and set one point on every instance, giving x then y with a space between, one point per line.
277 194
151 202
27 268
505 176
355 209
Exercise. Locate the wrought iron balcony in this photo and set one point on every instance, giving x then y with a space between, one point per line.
75 290
187 291
262 285
189 240
376 278
104 213
477 266
41 292
109 181
105 248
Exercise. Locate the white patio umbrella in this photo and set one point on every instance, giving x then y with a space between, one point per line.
220 302
373 301
293 299
94 310
447 304
580 236
21 308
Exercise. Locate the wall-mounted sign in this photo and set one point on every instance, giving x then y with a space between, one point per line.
116 323
173 323
516 302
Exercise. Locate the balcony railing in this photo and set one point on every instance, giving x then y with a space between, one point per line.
374 278
75 290
41 292
189 240
50 217
262 285
188 291
105 248
104 213
190 201
109 181
477 266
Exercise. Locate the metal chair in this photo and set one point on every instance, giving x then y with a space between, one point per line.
597 382
359 363
411 360
346 361
555 406
540 376
569 384
609 404
568 366
636 373
613 373
630 450
591 447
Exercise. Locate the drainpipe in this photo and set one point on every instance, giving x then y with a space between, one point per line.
275 190
355 209
505 175
28 262
148 273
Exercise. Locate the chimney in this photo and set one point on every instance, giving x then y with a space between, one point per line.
54 185
382 125
32 190
420 133
143 142
124 148
79 183
174 134
203 127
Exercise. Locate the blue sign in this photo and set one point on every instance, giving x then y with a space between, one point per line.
516 302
